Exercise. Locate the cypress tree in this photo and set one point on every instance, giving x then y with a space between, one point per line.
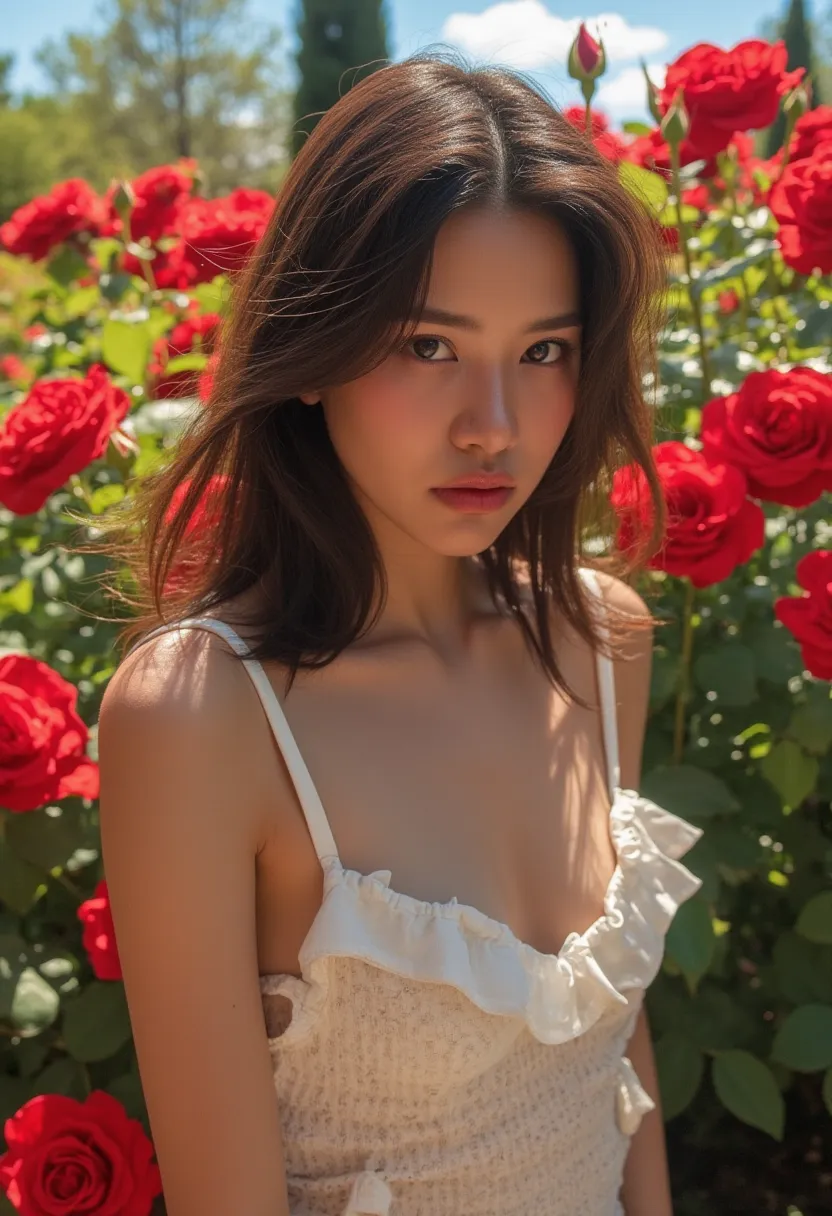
796 33
341 42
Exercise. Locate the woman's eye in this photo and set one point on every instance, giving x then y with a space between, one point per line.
558 350
430 343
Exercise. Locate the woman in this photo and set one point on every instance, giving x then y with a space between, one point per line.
385 944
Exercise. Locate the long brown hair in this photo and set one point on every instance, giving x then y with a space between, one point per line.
326 296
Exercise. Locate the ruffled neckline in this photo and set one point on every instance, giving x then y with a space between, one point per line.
561 995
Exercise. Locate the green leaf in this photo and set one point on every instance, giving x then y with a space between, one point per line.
115 285
747 1088
776 653
106 496
816 330
691 941
647 187
18 598
65 1076
664 677
79 303
97 1022
693 793
128 1091
45 840
827 1090
636 128
13 958
680 1064
792 773
14 1093
67 265
703 860
811 725
729 671
21 884
186 363
31 1054
125 348
802 969
815 920
804 1041
36 1004
756 252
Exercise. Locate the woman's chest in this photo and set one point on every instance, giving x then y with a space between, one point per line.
489 788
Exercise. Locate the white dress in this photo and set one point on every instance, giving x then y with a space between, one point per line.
435 1065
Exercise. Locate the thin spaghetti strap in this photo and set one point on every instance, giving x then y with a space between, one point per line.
606 684
310 801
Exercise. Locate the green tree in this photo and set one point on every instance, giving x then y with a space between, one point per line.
796 32
42 142
171 78
341 42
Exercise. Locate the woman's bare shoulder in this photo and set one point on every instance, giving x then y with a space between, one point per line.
179 817
622 597
187 699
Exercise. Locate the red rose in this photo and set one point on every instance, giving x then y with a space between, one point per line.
712 526
218 236
57 430
13 368
652 152
811 129
88 1157
159 195
778 429
809 617
728 302
69 209
801 202
43 741
195 334
728 91
99 936
609 143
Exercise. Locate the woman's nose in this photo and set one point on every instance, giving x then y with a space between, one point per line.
488 418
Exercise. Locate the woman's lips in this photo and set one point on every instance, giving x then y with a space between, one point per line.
474 501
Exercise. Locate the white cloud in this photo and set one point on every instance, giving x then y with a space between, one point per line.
523 34
625 95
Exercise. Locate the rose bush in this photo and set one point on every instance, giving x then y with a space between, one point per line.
115 344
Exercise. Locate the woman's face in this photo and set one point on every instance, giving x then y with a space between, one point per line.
488 387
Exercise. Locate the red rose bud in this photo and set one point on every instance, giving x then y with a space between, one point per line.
123 200
587 60
675 124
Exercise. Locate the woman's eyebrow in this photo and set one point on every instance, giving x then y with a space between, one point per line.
439 316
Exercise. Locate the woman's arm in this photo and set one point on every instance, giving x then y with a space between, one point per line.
179 837
646 1190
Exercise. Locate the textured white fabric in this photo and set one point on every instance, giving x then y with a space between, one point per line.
429 1063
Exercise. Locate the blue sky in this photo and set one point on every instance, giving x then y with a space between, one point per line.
529 34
